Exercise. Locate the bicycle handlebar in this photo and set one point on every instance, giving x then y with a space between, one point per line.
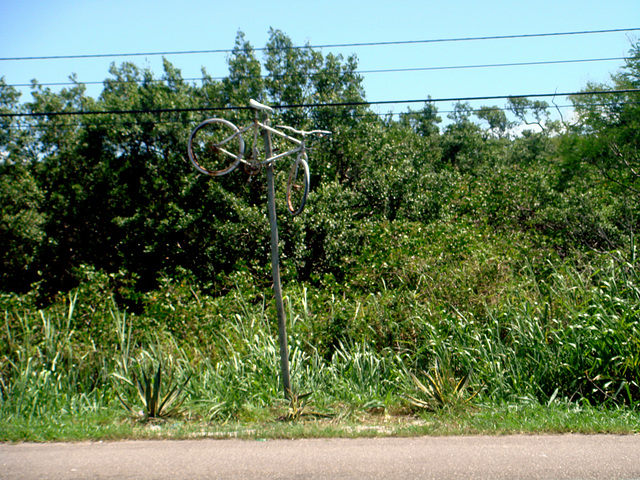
304 132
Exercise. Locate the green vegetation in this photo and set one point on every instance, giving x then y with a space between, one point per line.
441 280
564 347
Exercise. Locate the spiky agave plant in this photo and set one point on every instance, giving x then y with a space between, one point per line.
297 405
440 390
149 385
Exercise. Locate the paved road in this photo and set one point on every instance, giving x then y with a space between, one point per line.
506 457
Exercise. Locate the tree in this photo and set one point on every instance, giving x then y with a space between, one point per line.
424 121
245 76
22 221
9 104
290 73
522 107
21 227
610 126
496 118
462 140
115 191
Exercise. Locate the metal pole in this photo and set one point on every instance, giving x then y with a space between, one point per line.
275 267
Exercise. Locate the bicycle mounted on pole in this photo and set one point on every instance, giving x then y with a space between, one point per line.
216 147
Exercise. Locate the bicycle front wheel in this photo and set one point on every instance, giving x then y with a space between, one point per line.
216 147
298 185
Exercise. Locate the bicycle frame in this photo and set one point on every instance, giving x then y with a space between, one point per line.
258 126
300 164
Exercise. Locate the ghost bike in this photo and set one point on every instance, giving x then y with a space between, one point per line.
217 147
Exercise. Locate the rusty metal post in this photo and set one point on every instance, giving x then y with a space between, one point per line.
275 267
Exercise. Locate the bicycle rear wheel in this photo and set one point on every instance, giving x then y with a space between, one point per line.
298 185
216 147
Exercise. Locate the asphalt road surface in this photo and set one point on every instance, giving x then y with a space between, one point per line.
475 457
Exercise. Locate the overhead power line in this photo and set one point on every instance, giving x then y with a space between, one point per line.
25 127
492 65
386 70
361 115
315 105
335 45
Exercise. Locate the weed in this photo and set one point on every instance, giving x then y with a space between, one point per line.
149 386
441 390
298 407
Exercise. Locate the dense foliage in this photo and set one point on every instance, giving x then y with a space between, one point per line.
114 191
511 255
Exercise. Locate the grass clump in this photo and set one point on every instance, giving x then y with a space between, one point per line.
440 389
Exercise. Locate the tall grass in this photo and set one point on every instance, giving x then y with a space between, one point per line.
44 370
571 333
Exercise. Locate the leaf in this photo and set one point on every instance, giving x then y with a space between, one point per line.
155 394
122 378
172 396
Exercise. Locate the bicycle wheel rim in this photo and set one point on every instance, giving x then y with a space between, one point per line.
298 185
215 147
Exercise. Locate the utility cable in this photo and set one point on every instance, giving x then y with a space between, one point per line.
315 105
493 65
335 45
410 113
387 70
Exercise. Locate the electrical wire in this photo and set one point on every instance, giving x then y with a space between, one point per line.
316 105
492 65
335 45
411 113
387 70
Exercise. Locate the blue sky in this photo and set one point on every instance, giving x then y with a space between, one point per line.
72 27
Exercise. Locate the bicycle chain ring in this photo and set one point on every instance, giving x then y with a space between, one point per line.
252 168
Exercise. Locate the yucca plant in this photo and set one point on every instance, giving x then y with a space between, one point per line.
298 407
149 386
440 390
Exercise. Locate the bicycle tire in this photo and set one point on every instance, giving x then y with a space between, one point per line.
298 185
212 144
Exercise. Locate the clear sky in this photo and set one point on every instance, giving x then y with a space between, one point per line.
86 27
